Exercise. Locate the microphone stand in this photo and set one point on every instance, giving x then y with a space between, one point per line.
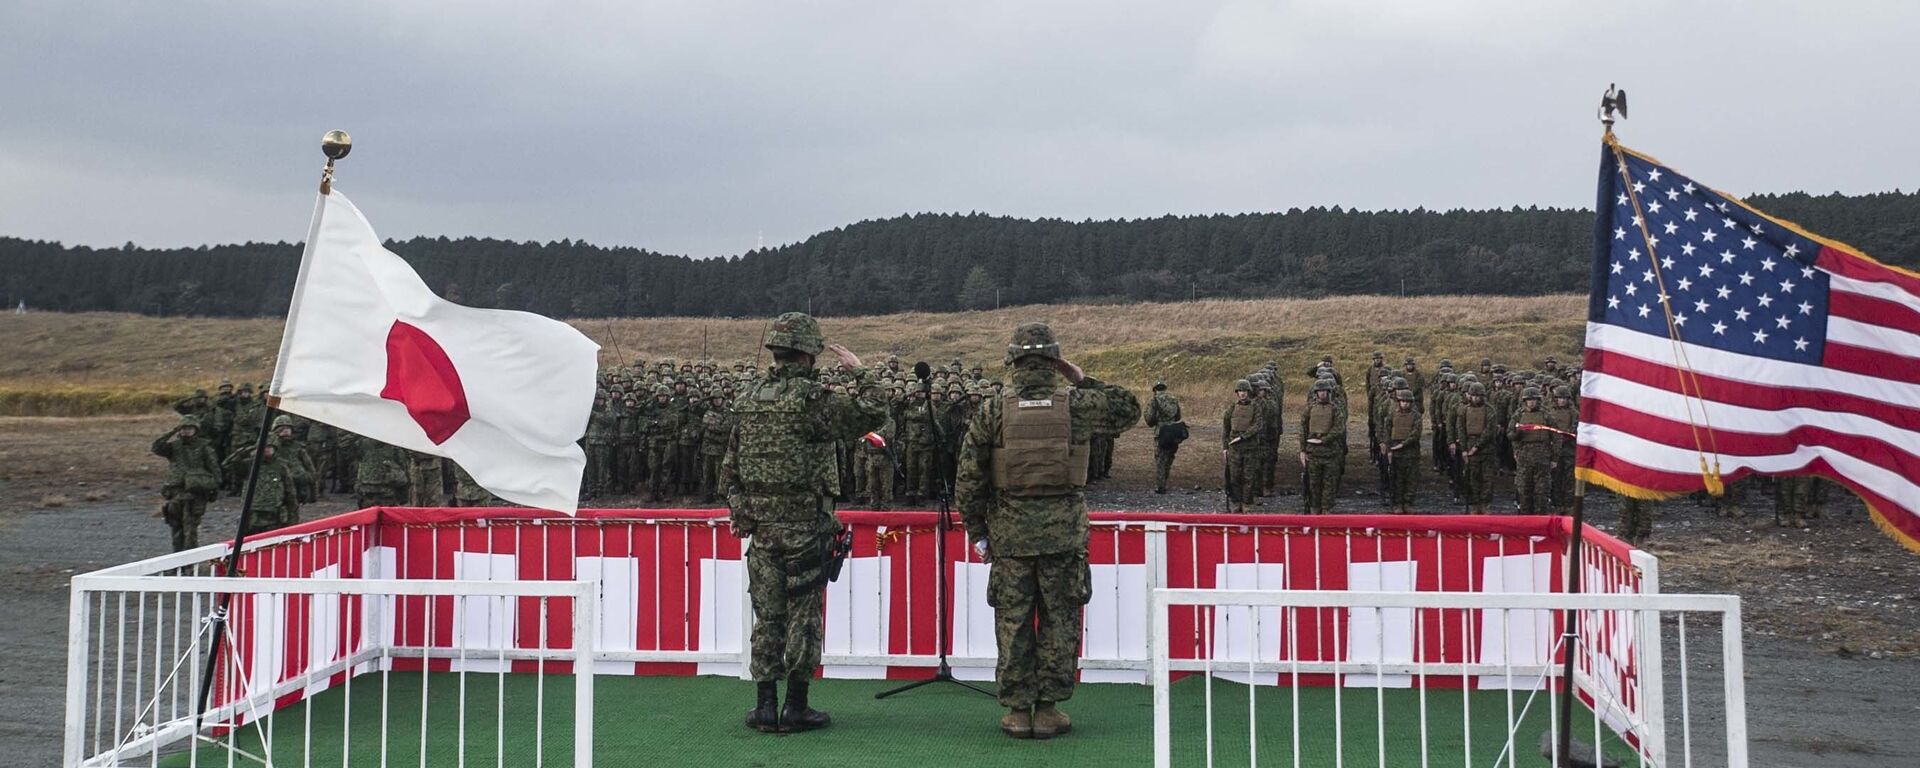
943 607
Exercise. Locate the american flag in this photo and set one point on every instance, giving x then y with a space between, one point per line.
1717 332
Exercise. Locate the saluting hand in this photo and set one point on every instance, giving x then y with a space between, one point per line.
1069 371
848 359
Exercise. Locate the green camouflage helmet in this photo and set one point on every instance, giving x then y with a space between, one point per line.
1562 392
1477 388
1323 385
797 331
1243 386
1032 339
188 420
1403 395
282 421
1160 386
1530 393
662 390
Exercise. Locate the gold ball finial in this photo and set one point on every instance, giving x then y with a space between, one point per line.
336 144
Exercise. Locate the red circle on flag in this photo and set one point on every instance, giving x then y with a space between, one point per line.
421 377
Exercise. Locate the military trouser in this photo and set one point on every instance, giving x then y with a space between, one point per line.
1561 489
1036 622
1242 465
686 467
429 489
785 577
1107 443
381 495
877 469
1636 519
323 466
660 468
1163 465
1320 487
1790 500
1260 474
1534 477
183 510
601 477
1816 496
919 468
1733 497
710 475
1476 479
1404 477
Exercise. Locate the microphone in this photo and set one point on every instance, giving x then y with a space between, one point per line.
922 371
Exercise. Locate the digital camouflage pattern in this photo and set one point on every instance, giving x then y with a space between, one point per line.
780 478
193 479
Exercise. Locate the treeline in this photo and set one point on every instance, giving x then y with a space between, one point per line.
935 262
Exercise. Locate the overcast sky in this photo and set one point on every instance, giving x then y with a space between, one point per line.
698 127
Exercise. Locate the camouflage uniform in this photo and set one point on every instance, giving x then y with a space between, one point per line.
663 433
300 466
1790 496
1473 432
1564 416
602 424
467 493
876 466
716 427
1534 450
1021 491
686 449
1323 449
1401 443
1163 414
1636 520
779 476
193 479
1240 430
381 478
917 446
429 480
275 504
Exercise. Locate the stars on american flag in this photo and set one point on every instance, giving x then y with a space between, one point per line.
1709 292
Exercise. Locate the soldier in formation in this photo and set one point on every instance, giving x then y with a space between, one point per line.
1241 429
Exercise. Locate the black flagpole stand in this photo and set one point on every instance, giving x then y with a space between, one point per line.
336 145
944 606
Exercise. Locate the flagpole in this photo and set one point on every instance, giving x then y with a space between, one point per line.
336 145
1612 103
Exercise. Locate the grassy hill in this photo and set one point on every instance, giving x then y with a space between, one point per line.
86 364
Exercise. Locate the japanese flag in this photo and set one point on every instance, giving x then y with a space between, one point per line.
369 348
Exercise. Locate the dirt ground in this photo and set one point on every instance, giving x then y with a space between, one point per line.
1832 613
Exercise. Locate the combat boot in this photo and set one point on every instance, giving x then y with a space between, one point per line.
1049 721
797 716
765 715
1018 723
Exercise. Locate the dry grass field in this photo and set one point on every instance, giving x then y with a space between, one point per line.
90 364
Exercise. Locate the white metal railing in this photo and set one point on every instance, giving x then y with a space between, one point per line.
136 645
1238 617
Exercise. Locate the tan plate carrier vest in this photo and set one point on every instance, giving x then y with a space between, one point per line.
1036 454
1473 421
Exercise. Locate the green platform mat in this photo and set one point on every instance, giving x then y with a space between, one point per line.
696 721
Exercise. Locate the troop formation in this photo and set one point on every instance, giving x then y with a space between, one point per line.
660 430
1466 426
210 452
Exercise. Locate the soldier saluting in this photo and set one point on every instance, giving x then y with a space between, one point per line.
1021 490
780 477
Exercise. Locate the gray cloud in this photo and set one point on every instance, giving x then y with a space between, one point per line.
692 127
